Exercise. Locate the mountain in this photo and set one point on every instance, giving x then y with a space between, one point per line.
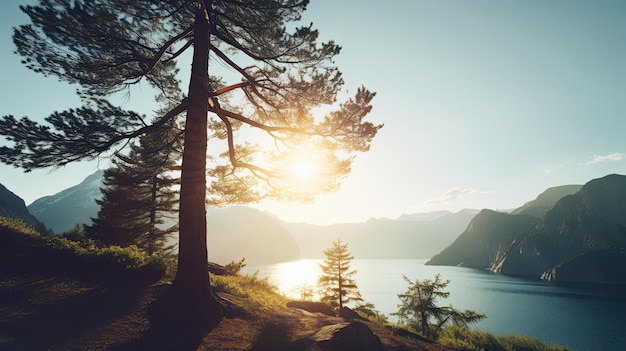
582 232
76 205
243 232
410 236
546 200
485 239
13 206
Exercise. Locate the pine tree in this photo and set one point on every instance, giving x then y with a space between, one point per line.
284 72
139 194
419 307
337 286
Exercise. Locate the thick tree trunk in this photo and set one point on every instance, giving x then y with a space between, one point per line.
189 306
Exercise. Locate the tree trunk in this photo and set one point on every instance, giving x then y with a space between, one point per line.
190 308
153 200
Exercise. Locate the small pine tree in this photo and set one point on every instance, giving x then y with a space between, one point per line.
337 286
420 311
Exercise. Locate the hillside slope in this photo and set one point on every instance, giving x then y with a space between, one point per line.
13 206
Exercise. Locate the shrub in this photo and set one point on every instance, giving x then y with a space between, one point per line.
525 343
475 340
233 268
17 225
466 339
368 311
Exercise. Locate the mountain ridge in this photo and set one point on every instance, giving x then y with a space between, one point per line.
591 220
62 211
13 206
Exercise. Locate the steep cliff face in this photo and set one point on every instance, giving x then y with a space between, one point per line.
595 266
592 219
13 206
487 239
581 232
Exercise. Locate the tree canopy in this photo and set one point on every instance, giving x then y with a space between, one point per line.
282 72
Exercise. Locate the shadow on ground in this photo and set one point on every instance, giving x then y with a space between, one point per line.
31 320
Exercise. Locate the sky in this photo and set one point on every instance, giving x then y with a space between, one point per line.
486 103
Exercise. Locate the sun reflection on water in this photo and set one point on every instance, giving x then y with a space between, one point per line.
292 277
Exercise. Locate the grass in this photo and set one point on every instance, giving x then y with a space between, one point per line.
477 340
257 292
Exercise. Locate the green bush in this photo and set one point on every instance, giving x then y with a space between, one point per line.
467 339
525 343
476 340
79 257
17 225
233 268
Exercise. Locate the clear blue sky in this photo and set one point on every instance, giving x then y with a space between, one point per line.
485 103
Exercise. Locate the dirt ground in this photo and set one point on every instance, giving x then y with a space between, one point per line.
60 313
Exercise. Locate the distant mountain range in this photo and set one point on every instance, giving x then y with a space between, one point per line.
571 232
580 237
262 238
410 236
243 232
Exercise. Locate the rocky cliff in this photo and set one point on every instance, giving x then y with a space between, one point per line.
487 239
572 235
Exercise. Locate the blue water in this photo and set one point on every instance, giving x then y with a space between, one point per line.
579 317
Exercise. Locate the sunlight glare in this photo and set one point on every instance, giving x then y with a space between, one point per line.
303 169
292 277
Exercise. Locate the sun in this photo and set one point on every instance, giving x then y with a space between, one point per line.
303 169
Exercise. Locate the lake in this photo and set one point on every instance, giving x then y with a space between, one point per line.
580 317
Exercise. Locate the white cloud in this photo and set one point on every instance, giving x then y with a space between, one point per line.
616 156
595 159
450 196
563 165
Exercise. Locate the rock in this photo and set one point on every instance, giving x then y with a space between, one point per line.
594 266
349 313
312 306
216 269
407 334
346 337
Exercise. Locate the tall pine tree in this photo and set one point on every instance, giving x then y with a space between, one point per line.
284 72
336 283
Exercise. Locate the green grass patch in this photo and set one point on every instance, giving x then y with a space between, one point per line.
258 291
477 340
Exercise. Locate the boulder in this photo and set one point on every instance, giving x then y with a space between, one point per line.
349 313
312 306
347 337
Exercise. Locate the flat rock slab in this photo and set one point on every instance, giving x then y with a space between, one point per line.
311 306
350 336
